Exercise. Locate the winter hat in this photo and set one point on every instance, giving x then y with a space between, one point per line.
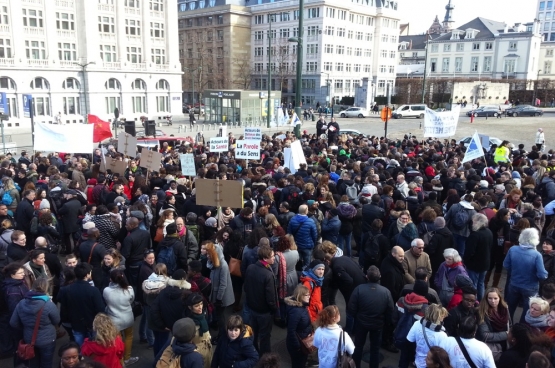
334 212
484 184
310 202
137 214
44 204
171 228
211 222
184 330
516 175
463 281
421 288
119 199
91 181
179 274
195 266
194 299
88 225
315 264
439 222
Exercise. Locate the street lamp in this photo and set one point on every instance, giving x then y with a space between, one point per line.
328 83
85 89
425 67
192 71
299 41
270 17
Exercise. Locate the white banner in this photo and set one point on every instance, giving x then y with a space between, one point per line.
76 138
188 164
252 134
219 144
248 150
441 124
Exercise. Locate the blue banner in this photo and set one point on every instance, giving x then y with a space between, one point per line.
27 106
4 108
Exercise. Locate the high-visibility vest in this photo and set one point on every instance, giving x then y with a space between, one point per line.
500 155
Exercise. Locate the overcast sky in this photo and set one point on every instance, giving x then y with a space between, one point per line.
510 12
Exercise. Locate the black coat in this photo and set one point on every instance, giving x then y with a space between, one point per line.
371 305
70 213
169 305
16 252
24 215
260 287
393 276
178 249
347 275
80 303
442 239
371 212
477 253
298 323
134 246
452 321
239 353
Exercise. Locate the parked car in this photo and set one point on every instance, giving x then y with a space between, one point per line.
484 111
409 111
492 141
354 112
350 132
524 110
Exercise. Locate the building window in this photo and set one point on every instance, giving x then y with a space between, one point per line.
339 67
139 104
328 66
349 51
32 18
39 83
433 64
312 66
220 19
157 5
312 49
5 48
383 53
340 32
71 105
259 35
134 55
350 35
385 38
65 21
313 13
329 30
284 33
4 18
259 19
367 68
415 54
106 25
391 69
210 36
132 3
476 46
133 27
367 53
368 37
547 67
341 14
220 35
312 31
348 68
510 66
41 106
330 12
158 56
446 47
460 47
356 68
162 103
542 5
383 68
70 83
220 53
549 5
35 50
549 53
328 49
487 64
67 51
258 51
474 64
458 64
512 45
445 65
489 45
359 36
434 48
340 50
351 18
157 29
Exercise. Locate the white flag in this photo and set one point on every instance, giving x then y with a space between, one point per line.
76 138
474 149
295 120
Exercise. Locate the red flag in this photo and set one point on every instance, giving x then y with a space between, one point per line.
101 130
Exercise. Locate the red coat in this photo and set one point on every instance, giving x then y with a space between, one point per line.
110 356
315 305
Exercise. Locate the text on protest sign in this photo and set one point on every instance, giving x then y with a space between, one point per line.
441 124
188 164
219 144
253 134
248 150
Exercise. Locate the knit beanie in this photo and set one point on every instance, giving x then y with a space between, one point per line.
315 264
184 330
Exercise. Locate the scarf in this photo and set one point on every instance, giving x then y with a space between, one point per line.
282 276
317 280
537 322
454 265
200 320
499 318
38 271
400 224
432 326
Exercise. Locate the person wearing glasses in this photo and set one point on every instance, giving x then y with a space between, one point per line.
415 258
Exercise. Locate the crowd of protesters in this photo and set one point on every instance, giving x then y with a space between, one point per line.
416 242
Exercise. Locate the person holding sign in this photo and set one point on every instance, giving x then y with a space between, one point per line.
333 132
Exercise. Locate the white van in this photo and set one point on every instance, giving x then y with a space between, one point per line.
409 111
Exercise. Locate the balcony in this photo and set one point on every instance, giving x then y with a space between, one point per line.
106 8
156 14
5 28
65 4
38 63
312 56
33 31
134 38
112 66
258 42
32 2
107 37
68 64
137 66
133 11
162 67
5 62
66 34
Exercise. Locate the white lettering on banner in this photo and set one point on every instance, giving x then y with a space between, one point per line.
441 124
253 134
188 164
219 144
248 150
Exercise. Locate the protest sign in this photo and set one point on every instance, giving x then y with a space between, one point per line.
219 193
127 144
441 124
150 159
188 164
248 150
219 144
252 134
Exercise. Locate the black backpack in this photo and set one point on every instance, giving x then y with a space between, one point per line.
294 198
372 251
460 187
542 191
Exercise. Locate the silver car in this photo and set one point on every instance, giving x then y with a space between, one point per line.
354 112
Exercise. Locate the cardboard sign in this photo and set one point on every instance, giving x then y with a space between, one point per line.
127 144
188 164
219 193
115 166
248 150
252 134
219 144
150 159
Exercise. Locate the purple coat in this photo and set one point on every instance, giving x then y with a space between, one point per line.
451 274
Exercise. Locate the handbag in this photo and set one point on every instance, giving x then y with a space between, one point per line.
447 291
137 308
235 264
307 344
344 359
465 353
27 351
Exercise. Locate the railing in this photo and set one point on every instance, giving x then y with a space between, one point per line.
34 31
5 28
156 14
66 34
112 66
106 7
7 62
65 4
137 66
68 64
135 11
34 2
162 67
38 63
134 38
107 36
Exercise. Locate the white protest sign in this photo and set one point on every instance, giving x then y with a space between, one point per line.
252 134
127 144
248 150
294 156
441 124
219 144
188 164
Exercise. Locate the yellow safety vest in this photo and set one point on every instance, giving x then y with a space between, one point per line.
500 155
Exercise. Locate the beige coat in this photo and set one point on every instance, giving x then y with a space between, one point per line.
411 263
204 347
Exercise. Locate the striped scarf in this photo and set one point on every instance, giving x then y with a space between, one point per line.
282 276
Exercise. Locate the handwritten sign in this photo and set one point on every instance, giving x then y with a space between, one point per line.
219 144
252 134
188 164
127 144
150 159
441 124
248 150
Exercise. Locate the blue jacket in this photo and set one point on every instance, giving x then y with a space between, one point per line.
239 353
298 323
526 267
330 229
304 231
25 314
12 292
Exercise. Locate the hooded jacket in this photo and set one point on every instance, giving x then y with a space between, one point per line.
450 216
347 275
178 249
220 277
110 356
238 353
347 214
80 303
315 305
298 323
410 303
304 231
168 306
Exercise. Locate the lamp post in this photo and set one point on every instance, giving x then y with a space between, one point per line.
192 71
270 17
299 41
85 89
328 84
425 67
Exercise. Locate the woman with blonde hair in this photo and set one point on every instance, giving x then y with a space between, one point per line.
10 188
428 332
493 321
329 331
107 347
538 314
112 260
271 223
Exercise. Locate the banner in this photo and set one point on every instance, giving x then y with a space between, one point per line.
4 108
76 138
248 150
294 157
219 144
27 106
474 149
252 134
441 124
188 164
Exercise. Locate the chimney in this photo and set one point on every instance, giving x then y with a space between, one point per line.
506 29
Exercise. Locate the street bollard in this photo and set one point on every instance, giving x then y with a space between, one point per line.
159 124
179 128
197 128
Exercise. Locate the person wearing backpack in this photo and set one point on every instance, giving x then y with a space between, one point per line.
459 219
171 251
180 352
375 246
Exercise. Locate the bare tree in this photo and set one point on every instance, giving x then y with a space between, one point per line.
243 76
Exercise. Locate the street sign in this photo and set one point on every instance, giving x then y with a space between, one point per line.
4 107
27 106
386 114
